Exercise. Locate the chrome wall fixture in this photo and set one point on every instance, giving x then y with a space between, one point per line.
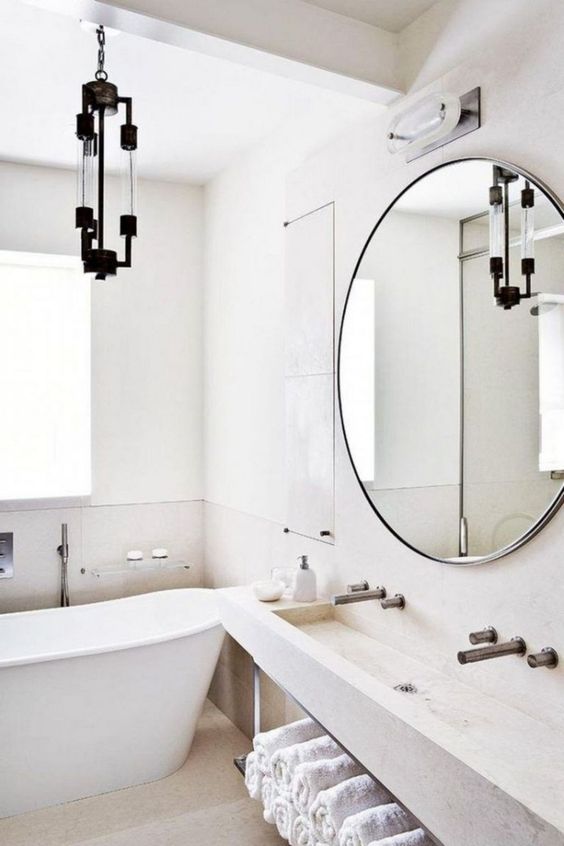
360 592
433 121
396 601
485 635
547 657
100 99
515 646
508 295
63 551
486 641
6 555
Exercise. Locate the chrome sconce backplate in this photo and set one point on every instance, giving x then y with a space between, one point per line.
470 120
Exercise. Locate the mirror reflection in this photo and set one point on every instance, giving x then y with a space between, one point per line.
451 375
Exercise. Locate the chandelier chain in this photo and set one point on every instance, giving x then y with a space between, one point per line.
101 73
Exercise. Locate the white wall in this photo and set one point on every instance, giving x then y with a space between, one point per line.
244 349
146 389
522 79
146 329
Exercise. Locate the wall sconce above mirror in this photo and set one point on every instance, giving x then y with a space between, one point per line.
453 408
433 121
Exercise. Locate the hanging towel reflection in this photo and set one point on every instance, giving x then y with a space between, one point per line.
551 381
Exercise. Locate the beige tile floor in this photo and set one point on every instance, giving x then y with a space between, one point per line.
203 804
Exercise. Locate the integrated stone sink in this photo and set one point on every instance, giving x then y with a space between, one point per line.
341 631
475 771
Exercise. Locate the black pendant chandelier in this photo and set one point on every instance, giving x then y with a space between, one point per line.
507 295
100 100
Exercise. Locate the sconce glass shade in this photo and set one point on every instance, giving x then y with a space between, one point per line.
128 182
86 172
527 230
497 228
425 122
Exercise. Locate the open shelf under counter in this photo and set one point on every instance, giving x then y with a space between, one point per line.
450 753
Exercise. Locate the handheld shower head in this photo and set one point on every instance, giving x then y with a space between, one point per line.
63 548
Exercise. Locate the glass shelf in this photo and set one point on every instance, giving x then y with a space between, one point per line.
141 567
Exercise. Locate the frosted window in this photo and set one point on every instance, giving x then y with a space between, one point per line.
44 377
357 378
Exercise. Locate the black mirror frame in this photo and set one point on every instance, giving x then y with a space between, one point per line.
549 513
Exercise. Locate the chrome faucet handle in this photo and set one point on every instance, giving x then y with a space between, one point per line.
397 601
358 587
547 657
486 635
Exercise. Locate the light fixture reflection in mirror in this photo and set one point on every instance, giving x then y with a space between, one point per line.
444 397
506 295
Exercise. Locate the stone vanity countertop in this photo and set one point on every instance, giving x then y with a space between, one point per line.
474 770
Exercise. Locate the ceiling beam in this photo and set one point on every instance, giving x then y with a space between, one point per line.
290 38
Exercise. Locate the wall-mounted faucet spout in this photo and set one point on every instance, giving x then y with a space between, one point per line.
360 592
63 550
516 646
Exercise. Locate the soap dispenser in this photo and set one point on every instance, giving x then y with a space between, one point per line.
305 585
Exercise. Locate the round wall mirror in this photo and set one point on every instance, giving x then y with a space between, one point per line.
451 362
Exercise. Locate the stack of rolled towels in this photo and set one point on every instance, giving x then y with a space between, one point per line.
316 795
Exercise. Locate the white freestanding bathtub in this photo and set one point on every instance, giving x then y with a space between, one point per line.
99 697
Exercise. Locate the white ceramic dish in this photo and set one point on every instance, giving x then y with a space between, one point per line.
269 591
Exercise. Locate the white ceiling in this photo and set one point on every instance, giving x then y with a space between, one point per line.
393 15
195 113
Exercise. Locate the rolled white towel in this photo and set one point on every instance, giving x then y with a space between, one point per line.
301 832
267 742
253 777
373 824
333 806
284 762
311 777
417 837
268 796
284 815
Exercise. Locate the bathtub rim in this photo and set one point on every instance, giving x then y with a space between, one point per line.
122 645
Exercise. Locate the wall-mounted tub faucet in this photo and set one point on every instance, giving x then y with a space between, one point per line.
516 646
547 657
397 601
63 550
360 592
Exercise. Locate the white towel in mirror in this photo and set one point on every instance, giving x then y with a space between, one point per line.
551 381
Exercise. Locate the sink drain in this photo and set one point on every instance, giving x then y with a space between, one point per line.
406 687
